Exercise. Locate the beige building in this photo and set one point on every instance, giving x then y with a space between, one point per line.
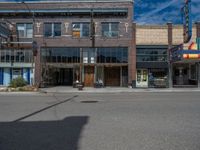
153 44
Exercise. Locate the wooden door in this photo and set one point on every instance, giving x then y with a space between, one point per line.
89 76
112 76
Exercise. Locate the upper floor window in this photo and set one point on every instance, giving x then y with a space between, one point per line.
25 30
156 54
52 29
110 29
80 30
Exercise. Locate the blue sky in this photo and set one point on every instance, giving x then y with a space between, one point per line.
159 11
163 11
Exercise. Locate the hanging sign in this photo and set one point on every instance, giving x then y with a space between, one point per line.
187 21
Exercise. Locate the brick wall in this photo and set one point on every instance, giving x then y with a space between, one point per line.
158 35
66 40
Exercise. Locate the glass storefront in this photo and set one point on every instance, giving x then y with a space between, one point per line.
89 65
185 74
152 66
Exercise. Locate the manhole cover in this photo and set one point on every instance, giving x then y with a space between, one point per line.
89 101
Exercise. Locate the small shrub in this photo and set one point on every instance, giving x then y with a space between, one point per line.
18 82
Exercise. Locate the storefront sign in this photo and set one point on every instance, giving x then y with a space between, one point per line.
191 54
187 21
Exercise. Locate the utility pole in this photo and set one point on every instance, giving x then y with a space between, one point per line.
34 43
92 28
170 42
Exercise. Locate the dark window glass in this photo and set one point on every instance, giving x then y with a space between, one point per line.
52 29
48 29
8 56
61 55
112 55
110 29
85 30
152 54
57 29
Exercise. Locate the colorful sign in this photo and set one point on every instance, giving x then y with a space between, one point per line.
190 54
193 46
178 54
187 21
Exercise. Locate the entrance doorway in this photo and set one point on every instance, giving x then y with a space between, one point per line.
64 76
185 74
112 76
89 76
142 78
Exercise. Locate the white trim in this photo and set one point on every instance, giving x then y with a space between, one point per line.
67 35
38 35
17 42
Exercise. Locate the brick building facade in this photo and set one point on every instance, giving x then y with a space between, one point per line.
77 41
92 42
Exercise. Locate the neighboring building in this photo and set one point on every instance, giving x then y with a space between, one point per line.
15 53
82 40
153 43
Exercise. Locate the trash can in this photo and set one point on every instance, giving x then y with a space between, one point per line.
80 87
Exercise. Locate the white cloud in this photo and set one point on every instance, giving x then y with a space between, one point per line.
159 7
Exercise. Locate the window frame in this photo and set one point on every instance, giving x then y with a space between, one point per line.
110 31
52 30
81 24
25 30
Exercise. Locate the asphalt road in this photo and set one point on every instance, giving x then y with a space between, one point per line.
120 121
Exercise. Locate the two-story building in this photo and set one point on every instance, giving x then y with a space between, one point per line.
83 40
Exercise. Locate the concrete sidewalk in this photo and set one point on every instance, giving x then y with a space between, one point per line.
66 89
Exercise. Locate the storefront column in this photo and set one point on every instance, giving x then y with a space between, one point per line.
198 36
81 65
170 43
198 65
132 59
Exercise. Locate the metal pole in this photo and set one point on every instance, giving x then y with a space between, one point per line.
198 77
33 59
169 54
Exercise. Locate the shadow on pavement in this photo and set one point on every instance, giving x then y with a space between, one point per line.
42 135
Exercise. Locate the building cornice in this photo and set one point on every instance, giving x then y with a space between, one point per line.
74 1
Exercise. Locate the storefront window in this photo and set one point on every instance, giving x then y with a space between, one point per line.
61 55
16 56
153 54
158 78
99 74
76 74
193 72
112 55
89 55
